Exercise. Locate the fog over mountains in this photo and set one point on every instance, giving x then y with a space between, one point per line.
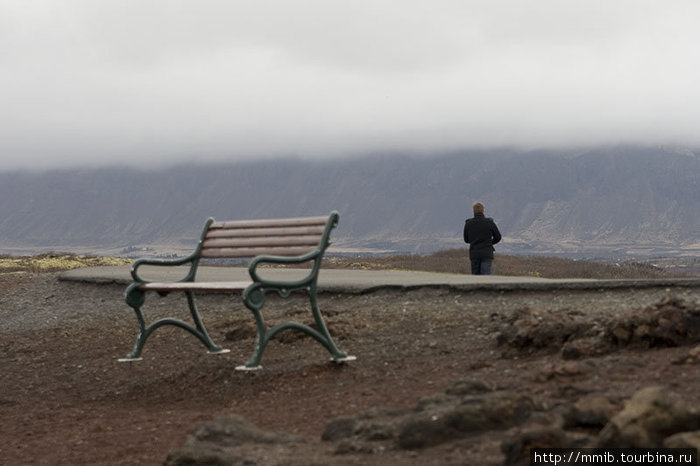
605 201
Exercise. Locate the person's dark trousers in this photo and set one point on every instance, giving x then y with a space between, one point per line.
481 266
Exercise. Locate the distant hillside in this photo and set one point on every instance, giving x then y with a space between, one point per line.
623 200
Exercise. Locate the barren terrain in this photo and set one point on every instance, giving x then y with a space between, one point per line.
65 399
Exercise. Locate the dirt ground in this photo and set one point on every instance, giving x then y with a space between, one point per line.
64 398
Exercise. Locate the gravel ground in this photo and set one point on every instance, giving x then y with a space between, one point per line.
66 399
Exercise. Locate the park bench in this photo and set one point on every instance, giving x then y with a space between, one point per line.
279 241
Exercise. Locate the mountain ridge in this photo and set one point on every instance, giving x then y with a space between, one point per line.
603 199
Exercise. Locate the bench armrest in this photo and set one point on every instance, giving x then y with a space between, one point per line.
313 272
193 259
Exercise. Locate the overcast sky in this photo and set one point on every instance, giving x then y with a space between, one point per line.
155 81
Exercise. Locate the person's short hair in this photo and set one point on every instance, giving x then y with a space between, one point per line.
478 208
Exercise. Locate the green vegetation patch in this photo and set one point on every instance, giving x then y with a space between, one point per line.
51 262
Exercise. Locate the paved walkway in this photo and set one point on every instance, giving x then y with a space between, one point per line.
363 281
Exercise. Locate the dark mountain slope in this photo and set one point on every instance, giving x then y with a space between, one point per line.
544 200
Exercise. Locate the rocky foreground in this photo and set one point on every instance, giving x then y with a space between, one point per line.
441 377
474 419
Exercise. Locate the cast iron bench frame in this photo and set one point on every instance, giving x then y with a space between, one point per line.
274 241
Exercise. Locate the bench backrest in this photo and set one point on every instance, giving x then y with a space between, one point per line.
277 237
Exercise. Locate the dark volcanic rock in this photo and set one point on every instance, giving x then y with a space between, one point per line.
467 412
670 322
471 414
683 440
467 408
651 415
215 442
535 329
591 411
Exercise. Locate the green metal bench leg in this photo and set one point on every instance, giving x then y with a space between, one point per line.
337 355
255 300
135 298
201 331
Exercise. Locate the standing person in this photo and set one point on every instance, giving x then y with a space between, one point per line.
481 233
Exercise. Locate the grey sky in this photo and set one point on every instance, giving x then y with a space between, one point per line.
112 82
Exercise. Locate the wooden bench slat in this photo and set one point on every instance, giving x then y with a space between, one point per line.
252 252
264 232
265 223
261 242
194 286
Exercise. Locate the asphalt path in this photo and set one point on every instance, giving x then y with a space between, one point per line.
363 281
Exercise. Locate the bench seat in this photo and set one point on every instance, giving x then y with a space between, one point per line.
195 286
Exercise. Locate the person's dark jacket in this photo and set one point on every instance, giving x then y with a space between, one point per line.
481 233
